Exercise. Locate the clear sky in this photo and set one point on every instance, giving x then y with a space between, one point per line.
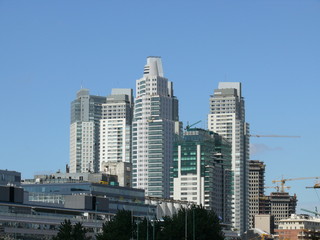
49 49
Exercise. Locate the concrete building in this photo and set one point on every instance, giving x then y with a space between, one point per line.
155 118
299 227
86 111
227 118
122 170
10 178
115 127
256 188
265 222
201 171
279 204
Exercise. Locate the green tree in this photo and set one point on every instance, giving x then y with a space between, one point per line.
201 225
69 232
120 227
65 229
79 232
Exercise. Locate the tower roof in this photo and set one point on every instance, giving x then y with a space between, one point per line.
153 66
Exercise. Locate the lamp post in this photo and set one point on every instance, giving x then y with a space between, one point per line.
193 224
186 222
96 219
148 223
138 223
132 224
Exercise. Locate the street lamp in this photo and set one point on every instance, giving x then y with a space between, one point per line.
186 222
96 220
193 224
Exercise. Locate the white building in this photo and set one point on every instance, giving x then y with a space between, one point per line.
155 114
227 118
115 127
84 132
299 227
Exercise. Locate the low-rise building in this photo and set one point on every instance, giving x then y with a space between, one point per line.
10 178
123 170
35 211
60 177
299 227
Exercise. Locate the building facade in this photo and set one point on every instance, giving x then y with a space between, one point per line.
227 118
299 227
201 171
10 178
37 210
115 127
123 171
86 111
281 205
256 188
153 129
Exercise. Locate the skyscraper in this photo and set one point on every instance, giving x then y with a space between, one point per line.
115 135
115 127
86 113
153 128
201 171
227 118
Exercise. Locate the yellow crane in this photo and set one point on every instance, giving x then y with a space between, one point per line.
283 181
278 187
317 185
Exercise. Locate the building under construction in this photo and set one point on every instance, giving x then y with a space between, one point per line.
256 188
279 204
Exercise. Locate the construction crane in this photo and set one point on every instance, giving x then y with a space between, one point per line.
316 214
278 187
189 126
283 181
281 136
317 185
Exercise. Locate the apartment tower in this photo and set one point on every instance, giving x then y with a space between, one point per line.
201 171
227 118
86 113
115 127
116 134
153 129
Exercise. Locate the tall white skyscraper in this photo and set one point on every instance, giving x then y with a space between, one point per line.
227 118
153 129
84 132
115 127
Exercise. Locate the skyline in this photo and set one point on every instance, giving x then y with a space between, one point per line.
272 47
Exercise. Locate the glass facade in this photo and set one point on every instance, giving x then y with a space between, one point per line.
201 171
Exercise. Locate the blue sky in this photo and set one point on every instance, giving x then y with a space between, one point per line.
48 49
